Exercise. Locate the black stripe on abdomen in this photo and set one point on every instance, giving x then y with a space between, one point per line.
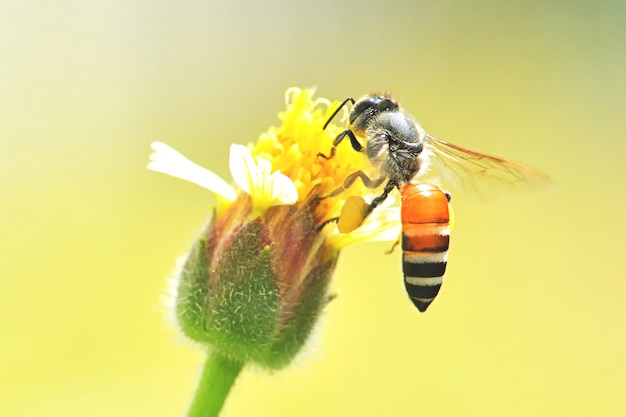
430 269
425 292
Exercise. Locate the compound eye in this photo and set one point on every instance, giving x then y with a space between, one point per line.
361 107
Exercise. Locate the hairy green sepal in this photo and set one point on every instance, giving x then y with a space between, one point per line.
230 298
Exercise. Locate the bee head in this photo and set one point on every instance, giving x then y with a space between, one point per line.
366 108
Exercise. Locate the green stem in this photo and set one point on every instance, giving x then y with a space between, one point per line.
217 378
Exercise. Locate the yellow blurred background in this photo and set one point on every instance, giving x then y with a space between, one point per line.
530 320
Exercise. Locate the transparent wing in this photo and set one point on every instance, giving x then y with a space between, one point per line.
488 178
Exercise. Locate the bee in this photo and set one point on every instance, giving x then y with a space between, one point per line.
399 149
425 241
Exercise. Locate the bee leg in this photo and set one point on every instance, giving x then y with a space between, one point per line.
448 196
326 222
378 200
332 116
367 181
353 141
350 179
390 251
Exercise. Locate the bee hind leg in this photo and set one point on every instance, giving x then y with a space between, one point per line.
382 197
350 179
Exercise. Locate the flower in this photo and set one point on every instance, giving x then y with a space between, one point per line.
256 279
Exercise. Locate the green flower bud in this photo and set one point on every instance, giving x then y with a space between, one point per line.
253 288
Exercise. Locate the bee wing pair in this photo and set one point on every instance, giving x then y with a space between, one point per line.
488 178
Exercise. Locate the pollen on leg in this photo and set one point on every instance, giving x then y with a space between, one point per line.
353 213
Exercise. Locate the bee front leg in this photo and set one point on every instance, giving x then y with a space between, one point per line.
353 141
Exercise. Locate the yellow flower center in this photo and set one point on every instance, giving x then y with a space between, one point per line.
294 148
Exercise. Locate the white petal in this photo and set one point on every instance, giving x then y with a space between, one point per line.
384 226
167 160
283 189
242 166
255 177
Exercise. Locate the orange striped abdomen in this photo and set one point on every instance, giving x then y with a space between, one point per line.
425 241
